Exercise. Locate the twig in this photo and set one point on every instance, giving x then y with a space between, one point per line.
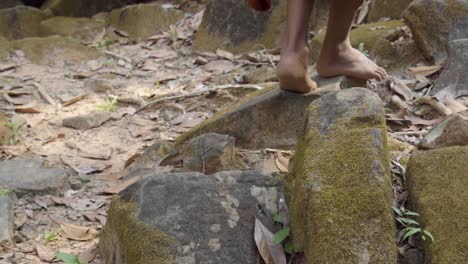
194 94
409 133
43 93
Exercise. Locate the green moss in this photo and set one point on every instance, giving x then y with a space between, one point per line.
335 196
269 39
437 181
138 243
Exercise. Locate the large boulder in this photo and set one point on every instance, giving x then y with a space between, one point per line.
453 81
437 182
31 176
83 29
436 22
20 22
339 192
387 9
377 39
269 118
188 218
232 25
9 3
143 20
82 8
55 50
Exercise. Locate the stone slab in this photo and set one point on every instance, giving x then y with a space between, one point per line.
6 219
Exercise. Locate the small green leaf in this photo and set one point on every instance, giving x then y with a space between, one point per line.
397 211
288 247
281 235
278 218
5 192
407 221
429 234
408 212
68 258
411 231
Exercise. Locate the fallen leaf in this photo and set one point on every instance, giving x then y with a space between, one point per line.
75 99
93 217
76 232
270 164
281 162
219 66
453 105
27 108
424 70
121 186
271 252
41 201
44 253
225 54
62 200
20 219
88 255
403 90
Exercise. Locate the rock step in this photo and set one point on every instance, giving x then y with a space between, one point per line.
339 192
437 181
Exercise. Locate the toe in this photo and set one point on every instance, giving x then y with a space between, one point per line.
382 72
379 75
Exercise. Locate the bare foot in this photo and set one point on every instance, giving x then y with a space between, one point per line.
292 72
347 61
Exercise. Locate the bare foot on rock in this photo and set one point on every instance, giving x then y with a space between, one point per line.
292 72
347 61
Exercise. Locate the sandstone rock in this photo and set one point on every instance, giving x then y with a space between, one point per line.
55 50
82 8
453 81
152 157
436 22
393 9
452 131
83 29
233 26
188 218
143 20
20 22
210 153
84 122
339 191
377 40
6 220
9 3
436 181
269 118
30 175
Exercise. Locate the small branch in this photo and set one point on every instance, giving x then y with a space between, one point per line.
43 93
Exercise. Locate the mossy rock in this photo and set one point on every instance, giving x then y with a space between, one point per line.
377 40
387 9
339 191
82 8
83 29
437 182
55 50
436 22
10 3
233 26
143 20
4 48
189 218
268 118
20 22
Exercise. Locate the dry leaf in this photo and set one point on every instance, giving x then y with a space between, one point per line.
75 99
281 162
219 66
44 253
88 255
403 90
438 106
271 252
453 105
27 108
62 200
131 159
20 219
93 217
270 164
121 186
225 54
41 201
76 232
424 70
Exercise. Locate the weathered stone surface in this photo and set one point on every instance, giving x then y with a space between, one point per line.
83 29
453 81
88 121
339 193
269 118
9 3
20 22
210 153
30 175
188 218
55 50
232 25
261 75
143 20
436 22
437 181
377 39
82 8
4 48
6 220
393 9
452 131
152 157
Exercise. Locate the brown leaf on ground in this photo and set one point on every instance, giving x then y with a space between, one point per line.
88 255
44 253
27 108
20 219
271 252
94 217
270 164
75 100
76 232
114 189
281 162
62 200
424 70
225 54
